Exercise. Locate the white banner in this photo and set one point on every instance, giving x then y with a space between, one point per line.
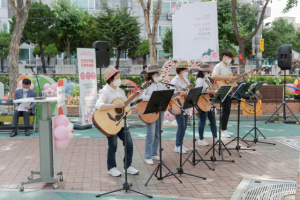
195 32
87 83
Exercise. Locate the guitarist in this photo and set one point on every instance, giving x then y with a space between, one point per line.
107 95
181 80
152 137
222 71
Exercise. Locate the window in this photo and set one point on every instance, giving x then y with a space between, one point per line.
110 3
24 55
86 4
60 56
98 4
92 4
162 30
123 54
3 3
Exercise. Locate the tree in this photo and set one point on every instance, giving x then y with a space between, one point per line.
21 13
71 21
119 29
296 42
50 51
40 28
4 44
242 35
143 51
272 43
287 31
151 33
168 42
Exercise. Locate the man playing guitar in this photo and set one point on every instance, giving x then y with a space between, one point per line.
222 71
107 95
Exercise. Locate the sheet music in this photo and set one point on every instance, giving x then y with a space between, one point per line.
22 106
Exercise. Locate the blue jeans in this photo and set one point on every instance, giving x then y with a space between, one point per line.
184 125
152 138
112 148
203 117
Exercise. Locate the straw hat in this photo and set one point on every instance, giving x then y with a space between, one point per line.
110 71
205 67
182 64
153 68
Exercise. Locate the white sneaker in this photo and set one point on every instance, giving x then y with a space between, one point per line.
202 143
155 157
114 172
225 134
177 150
131 170
185 148
149 161
229 133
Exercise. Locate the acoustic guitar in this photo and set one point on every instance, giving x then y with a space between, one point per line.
234 79
203 102
105 120
173 108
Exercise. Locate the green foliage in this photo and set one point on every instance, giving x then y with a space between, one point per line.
137 79
246 20
270 80
75 91
142 51
168 42
289 5
192 79
5 39
72 78
119 29
5 81
296 42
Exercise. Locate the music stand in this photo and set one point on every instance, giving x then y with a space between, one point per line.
239 93
191 101
126 184
252 91
219 97
158 102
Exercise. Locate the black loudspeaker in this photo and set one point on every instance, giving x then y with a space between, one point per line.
102 53
285 56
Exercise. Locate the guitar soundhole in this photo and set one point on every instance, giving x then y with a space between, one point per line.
119 110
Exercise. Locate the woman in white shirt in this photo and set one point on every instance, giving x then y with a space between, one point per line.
107 95
152 137
204 73
181 80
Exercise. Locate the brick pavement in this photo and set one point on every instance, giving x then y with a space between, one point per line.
84 167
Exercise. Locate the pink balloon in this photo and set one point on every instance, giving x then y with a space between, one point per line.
20 83
61 120
61 132
46 86
54 86
31 86
62 144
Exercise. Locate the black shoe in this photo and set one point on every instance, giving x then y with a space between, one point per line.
27 133
13 133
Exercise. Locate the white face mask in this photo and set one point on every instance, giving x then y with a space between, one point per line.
117 83
185 74
25 90
228 60
156 79
206 75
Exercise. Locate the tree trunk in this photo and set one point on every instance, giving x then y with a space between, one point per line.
68 50
152 50
242 53
144 59
2 67
48 59
21 13
42 58
118 59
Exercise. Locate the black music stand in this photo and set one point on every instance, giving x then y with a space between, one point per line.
239 93
126 184
158 102
191 101
254 87
219 97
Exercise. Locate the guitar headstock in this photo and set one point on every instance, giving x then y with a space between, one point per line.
146 84
252 71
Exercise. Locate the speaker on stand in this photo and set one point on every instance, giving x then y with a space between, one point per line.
285 63
102 56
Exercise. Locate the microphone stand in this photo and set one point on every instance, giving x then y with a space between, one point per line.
40 94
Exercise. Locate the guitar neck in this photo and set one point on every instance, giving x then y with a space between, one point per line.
131 99
239 77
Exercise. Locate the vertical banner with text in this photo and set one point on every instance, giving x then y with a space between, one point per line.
87 83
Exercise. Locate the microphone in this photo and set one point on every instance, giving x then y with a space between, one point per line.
30 66
136 102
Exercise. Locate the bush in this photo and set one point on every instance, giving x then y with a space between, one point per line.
5 80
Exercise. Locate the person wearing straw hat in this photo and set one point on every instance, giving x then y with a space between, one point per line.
181 80
152 137
107 95
204 72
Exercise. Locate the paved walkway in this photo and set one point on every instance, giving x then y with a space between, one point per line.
84 168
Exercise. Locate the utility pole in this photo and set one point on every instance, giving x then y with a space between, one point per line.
258 37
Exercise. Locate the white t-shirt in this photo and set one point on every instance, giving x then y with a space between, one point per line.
222 70
178 82
149 90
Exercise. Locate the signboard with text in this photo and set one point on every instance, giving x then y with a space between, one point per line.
195 32
88 84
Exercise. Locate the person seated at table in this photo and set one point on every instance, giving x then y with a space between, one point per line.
297 92
25 92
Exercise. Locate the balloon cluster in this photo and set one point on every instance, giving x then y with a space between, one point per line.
21 83
50 90
63 132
